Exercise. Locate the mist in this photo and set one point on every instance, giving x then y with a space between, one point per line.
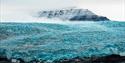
25 10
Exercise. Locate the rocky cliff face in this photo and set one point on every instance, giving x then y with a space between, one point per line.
72 15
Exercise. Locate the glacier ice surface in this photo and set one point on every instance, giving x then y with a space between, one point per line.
52 41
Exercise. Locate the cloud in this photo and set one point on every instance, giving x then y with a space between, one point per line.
24 9
113 9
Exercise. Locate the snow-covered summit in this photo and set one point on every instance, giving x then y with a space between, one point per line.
72 14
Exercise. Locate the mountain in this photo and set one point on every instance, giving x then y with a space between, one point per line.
72 14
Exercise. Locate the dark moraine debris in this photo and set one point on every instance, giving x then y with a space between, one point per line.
106 59
16 60
4 60
111 59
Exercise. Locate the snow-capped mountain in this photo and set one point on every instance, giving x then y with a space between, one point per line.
72 14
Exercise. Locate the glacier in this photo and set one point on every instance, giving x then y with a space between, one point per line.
54 41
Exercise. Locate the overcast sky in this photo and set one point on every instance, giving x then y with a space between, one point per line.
25 9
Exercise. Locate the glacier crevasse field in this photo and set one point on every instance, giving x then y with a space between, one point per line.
53 41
